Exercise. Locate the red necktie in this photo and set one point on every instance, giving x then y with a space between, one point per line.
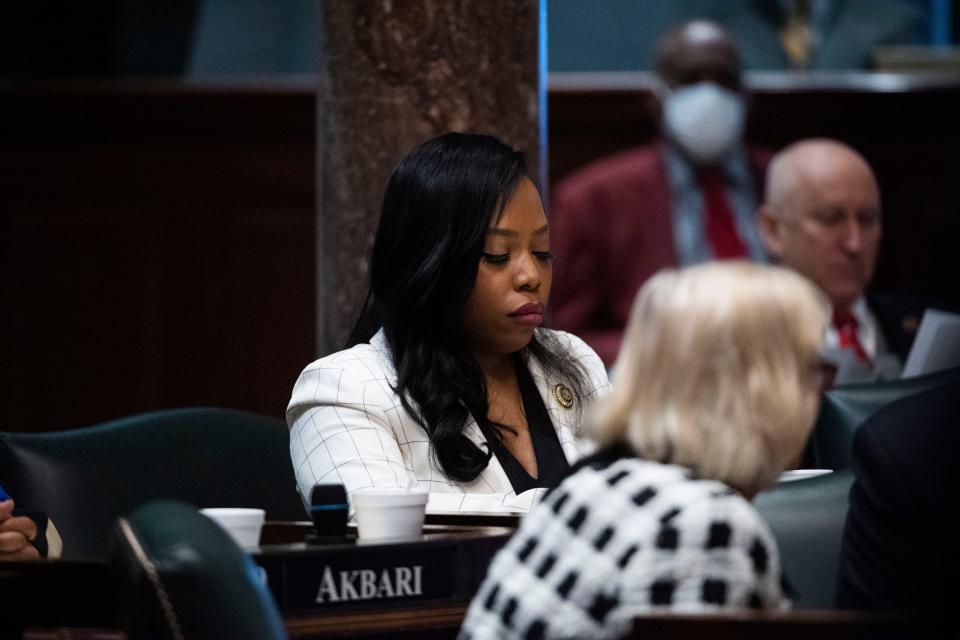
846 325
721 230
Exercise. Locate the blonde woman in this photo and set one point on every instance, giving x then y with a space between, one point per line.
715 391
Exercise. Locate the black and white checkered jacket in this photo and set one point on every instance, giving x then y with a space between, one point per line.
622 538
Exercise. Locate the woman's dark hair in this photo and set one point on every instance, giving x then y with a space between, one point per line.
439 204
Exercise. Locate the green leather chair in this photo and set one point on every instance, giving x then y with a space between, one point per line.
87 478
179 575
807 519
845 408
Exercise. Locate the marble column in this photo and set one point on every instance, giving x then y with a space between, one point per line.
395 73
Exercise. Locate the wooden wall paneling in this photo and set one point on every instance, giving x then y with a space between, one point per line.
158 249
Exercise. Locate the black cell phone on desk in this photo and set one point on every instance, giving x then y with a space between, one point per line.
329 510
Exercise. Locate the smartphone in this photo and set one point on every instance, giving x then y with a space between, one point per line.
3 494
329 510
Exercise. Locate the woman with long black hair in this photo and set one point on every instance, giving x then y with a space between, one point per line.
450 382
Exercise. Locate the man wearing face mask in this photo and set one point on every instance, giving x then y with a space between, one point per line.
686 198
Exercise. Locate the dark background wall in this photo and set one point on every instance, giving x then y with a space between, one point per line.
55 38
156 249
157 240
131 37
621 35
158 225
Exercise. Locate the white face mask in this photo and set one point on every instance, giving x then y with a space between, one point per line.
705 120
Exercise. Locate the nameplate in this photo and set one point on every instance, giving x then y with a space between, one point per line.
316 579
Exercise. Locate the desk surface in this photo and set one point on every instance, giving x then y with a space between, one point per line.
443 621
436 527
76 602
73 599
445 567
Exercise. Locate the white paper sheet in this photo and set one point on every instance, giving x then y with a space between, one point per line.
937 345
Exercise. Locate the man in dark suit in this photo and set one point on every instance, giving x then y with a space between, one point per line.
687 198
821 217
900 543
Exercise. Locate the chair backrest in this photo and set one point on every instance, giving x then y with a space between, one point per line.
181 576
86 478
807 519
846 407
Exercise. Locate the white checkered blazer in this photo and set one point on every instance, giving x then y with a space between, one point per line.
347 426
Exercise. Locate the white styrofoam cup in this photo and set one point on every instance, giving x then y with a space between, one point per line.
389 514
243 525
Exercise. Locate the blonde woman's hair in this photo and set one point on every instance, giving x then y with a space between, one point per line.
718 372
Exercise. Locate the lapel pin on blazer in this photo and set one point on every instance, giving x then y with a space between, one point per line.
563 396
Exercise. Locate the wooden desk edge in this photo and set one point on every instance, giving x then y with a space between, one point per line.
448 615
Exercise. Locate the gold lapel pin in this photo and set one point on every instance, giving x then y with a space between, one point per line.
563 396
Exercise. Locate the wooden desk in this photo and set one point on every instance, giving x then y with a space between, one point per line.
167 203
789 625
445 567
440 621
443 621
280 532
73 599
